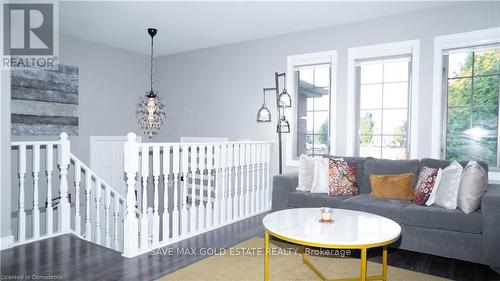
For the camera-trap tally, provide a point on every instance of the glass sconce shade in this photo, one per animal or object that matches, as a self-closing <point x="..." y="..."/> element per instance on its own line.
<point x="283" y="126"/>
<point x="264" y="115"/>
<point x="284" y="99"/>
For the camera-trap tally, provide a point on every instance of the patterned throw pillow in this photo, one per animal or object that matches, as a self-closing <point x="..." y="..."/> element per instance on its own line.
<point x="342" y="178"/>
<point x="426" y="182"/>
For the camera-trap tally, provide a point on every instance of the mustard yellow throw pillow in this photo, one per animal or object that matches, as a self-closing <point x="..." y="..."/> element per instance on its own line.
<point x="392" y="186"/>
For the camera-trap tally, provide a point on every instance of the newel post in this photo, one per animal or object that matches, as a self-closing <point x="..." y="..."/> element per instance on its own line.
<point x="131" y="167"/>
<point x="64" y="212"/>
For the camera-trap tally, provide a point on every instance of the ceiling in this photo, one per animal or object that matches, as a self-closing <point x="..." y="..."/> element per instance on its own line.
<point x="185" y="26"/>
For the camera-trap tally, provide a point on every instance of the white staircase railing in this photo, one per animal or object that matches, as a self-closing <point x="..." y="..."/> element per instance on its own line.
<point x="99" y="197"/>
<point x="174" y="191"/>
<point x="202" y="185"/>
<point x="41" y="159"/>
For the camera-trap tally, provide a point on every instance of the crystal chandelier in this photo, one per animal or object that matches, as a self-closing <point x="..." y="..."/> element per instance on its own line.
<point x="150" y="110"/>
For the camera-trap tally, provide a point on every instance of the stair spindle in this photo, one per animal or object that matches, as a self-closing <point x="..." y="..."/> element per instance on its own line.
<point x="22" y="213"/>
<point x="175" y="212"/>
<point x="49" y="168"/>
<point x="156" y="177"/>
<point x="98" y="194"/>
<point x="166" y="182"/>
<point x="144" y="208"/>
<point x="36" y="209"/>
<point x="88" y="196"/>
<point x="78" y="179"/>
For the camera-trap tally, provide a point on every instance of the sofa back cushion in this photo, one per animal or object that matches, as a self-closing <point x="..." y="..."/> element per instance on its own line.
<point x="360" y="166"/>
<point x="387" y="167"/>
<point x="437" y="163"/>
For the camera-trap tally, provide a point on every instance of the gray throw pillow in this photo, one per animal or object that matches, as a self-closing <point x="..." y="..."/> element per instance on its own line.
<point x="473" y="185"/>
<point x="447" y="193"/>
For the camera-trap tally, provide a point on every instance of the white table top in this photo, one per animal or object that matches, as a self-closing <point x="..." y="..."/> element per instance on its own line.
<point x="350" y="229"/>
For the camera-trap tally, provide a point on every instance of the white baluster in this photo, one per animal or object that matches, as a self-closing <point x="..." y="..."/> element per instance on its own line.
<point x="184" y="176"/>
<point x="116" y="221"/>
<point x="252" y="187"/>
<point x="193" y="210"/>
<point x="268" y="185"/>
<point x="223" y="201"/>
<point x="36" y="209"/>
<point x="175" y="212"/>
<point x="64" y="210"/>
<point x="247" y="171"/>
<point x="235" y="198"/>
<point x="166" y="182"/>
<point x="209" y="206"/>
<point x="144" y="208"/>
<point x="241" y="164"/>
<point x="78" y="179"/>
<point x="257" y="192"/>
<point x="217" y="198"/>
<point x="107" y="206"/>
<point x="130" y="226"/>
<point x="49" y="167"/>
<point x="201" y="206"/>
<point x="88" y="196"/>
<point x="98" y="193"/>
<point x="22" y="213"/>
<point x="229" y="162"/>
<point x="263" y="202"/>
<point x="156" y="195"/>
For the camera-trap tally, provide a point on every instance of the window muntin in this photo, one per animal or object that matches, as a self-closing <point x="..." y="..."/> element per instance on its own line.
<point x="472" y="86"/>
<point x="383" y="92"/>
<point x="312" y="86"/>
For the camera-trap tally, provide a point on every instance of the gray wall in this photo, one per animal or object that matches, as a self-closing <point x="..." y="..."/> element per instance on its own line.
<point x="111" y="80"/>
<point x="217" y="91"/>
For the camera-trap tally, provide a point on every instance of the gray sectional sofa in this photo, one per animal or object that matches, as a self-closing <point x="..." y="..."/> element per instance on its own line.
<point x="433" y="230"/>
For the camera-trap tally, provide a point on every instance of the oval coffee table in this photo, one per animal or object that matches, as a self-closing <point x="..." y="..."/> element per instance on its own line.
<point x="349" y="230"/>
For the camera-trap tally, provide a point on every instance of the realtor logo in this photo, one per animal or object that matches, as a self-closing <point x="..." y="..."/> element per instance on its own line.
<point x="29" y="35"/>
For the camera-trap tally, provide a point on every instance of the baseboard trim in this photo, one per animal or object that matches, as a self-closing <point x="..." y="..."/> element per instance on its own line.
<point x="6" y="242"/>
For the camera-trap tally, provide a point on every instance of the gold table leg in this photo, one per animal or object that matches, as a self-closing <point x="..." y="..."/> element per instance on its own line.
<point x="363" y="265"/>
<point x="266" y="257"/>
<point x="384" y="263"/>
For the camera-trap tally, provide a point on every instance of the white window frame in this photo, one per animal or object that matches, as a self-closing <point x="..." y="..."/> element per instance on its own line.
<point x="325" y="57"/>
<point x="442" y="43"/>
<point x="411" y="47"/>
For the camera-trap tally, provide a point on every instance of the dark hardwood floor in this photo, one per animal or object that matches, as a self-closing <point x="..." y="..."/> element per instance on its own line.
<point x="76" y="259"/>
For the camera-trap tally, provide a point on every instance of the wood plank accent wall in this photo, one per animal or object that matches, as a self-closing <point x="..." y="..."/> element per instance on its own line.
<point x="44" y="102"/>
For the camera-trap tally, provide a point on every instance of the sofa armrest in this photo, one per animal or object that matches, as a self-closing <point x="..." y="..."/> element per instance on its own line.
<point x="282" y="185"/>
<point x="490" y="209"/>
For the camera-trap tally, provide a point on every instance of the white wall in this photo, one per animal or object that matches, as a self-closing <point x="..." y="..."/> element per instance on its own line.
<point x="217" y="91"/>
<point x="111" y="80"/>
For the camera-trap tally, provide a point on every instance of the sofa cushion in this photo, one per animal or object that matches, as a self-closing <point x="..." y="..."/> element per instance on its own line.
<point x="360" y="166"/>
<point x="390" y="208"/>
<point x="301" y="199"/>
<point x="435" y="163"/>
<point x="440" y="218"/>
<point x="387" y="167"/>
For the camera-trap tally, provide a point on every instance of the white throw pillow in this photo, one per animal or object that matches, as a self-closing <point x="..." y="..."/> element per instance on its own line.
<point x="320" y="180"/>
<point x="432" y="196"/>
<point x="473" y="185"/>
<point x="306" y="173"/>
<point x="447" y="193"/>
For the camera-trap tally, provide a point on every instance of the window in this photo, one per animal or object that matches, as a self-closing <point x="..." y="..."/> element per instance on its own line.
<point x="471" y="82"/>
<point x="312" y="86"/>
<point x="383" y="95"/>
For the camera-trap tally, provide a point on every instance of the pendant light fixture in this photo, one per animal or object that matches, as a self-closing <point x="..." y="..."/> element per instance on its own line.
<point x="150" y="110"/>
